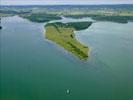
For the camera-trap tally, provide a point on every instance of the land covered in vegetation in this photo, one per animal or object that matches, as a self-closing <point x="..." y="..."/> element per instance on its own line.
<point x="63" y="35"/>
<point x="114" y="13"/>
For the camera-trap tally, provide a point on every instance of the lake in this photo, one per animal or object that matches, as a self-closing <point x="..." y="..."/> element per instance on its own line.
<point x="34" y="68"/>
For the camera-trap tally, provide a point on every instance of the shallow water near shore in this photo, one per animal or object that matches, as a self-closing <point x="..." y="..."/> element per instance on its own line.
<point x="34" y="68"/>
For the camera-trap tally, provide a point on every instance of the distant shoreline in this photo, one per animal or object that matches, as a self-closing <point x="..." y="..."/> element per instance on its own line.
<point x="68" y="5"/>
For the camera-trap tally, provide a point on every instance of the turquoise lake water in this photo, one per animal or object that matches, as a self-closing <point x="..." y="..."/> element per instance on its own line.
<point x="34" y="68"/>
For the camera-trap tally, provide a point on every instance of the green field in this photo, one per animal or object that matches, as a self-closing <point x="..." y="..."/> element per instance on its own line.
<point x="63" y="35"/>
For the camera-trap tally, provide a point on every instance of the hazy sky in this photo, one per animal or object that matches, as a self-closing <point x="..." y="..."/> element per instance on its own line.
<point x="52" y="2"/>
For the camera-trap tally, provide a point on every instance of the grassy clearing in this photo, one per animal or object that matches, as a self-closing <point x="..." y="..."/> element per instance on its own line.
<point x="63" y="35"/>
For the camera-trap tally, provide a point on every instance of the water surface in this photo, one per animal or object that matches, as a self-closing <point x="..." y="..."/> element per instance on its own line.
<point x="33" y="68"/>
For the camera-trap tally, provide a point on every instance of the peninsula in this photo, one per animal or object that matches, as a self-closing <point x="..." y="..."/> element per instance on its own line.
<point x="63" y="35"/>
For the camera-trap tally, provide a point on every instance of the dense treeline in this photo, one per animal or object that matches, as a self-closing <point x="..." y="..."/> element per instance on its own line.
<point x="42" y="17"/>
<point x="76" y="25"/>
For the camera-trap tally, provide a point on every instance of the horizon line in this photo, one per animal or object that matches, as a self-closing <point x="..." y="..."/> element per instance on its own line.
<point x="65" y="4"/>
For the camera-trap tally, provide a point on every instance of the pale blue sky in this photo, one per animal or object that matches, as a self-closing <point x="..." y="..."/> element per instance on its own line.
<point x="53" y="2"/>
